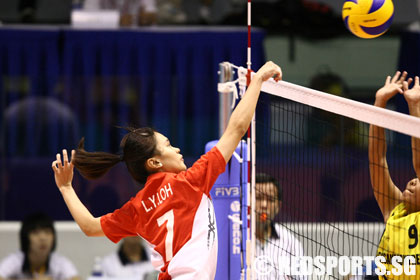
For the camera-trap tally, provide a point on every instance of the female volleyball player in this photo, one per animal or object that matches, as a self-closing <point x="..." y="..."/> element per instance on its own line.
<point x="400" y="209"/>
<point x="173" y="212"/>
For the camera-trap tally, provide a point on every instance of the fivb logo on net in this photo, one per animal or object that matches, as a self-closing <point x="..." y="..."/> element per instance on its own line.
<point x="333" y="265"/>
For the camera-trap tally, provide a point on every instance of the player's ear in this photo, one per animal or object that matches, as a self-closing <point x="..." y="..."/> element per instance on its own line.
<point x="153" y="164"/>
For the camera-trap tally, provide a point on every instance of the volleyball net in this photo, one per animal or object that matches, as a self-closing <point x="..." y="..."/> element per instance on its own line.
<point x="313" y="194"/>
<point x="315" y="147"/>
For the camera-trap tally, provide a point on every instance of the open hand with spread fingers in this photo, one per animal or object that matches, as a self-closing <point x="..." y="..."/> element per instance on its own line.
<point x="412" y="96"/>
<point x="63" y="170"/>
<point x="392" y="86"/>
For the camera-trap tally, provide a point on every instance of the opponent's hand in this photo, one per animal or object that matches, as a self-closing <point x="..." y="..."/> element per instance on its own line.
<point x="270" y="70"/>
<point x="63" y="171"/>
<point x="392" y="86"/>
<point x="412" y="96"/>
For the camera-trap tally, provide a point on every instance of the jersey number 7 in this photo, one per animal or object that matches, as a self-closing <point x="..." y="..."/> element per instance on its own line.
<point x="169" y="218"/>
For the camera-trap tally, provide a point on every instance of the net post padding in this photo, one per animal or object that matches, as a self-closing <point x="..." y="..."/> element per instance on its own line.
<point x="399" y="122"/>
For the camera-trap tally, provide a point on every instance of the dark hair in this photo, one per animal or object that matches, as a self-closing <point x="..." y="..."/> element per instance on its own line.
<point x="261" y="178"/>
<point x="137" y="147"/>
<point x="323" y="82"/>
<point x="29" y="224"/>
<point x="124" y="259"/>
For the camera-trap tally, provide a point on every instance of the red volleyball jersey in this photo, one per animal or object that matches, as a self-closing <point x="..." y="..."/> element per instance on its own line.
<point x="175" y="215"/>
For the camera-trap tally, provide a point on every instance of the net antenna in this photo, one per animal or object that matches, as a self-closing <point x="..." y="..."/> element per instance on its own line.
<point x="251" y="144"/>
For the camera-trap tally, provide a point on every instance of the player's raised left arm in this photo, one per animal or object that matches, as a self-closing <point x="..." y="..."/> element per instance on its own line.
<point x="63" y="174"/>
<point x="413" y="100"/>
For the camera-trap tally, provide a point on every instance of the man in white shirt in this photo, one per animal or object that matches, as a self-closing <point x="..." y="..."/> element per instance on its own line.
<point x="275" y="242"/>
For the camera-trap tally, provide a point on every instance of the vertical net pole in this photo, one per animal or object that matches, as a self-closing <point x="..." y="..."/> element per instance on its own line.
<point x="225" y="99"/>
<point x="250" y="244"/>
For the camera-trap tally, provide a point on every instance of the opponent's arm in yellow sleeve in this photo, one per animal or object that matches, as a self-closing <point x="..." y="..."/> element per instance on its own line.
<point x="412" y="96"/>
<point x="386" y="193"/>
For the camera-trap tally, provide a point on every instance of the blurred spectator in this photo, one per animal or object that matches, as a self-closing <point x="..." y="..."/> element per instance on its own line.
<point x="148" y="12"/>
<point x="131" y="260"/>
<point x="27" y="9"/>
<point x="37" y="127"/>
<point x="334" y="130"/>
<point x="34" y="128"/>
<point x="36" y="11"/>
<point x="37" y="259"/>
<point x="205" y="11"/>
<point x="415" y="25"/>
<point x="171" y="12"/>
<point x="308" y="18"/>
<point x="132" y="12"/>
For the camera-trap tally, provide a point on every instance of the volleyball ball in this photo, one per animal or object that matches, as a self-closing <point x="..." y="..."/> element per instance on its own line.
<point x="368" y="18"/>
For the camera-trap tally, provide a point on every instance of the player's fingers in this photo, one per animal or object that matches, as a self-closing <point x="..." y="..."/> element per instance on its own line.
<point x="396" y="77"/>
<point x="280" y="74"/>
<point x="409" y="81"/>
<point x="277" y="76"/>
<point x="59" y="164"/>
<point x="54" y="166"/>
<point x="388" y="80"/>
<point x="403" y="76"/>
<point x="73" y="154"/>
<point x="405" y="85"/>
<point x="65" y="157"/>
<point x="417" y="81"/>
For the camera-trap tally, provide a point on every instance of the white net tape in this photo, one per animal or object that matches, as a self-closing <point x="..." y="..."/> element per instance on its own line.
<point x="339" y="105"/>
<point x="346" y="107"/>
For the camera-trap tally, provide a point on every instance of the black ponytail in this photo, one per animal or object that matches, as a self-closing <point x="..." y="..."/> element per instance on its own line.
<point x="93" y="165"/>
<point x="138" y="146"/>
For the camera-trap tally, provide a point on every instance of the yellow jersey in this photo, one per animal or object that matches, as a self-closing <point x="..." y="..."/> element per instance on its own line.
<point x="401" y="239"/>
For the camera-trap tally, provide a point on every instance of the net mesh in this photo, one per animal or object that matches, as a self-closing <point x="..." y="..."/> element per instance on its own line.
<point x="323" y="204"/>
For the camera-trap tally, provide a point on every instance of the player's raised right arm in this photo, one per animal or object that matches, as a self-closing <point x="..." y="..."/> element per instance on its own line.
<point x="242" y="115"/>
<point x="384" y="189"/>
<point x="412" y="96"/>
<point x="63" y="174"/>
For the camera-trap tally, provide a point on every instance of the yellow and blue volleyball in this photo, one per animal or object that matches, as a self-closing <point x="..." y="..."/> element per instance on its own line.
<point x="368" y="18"/>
